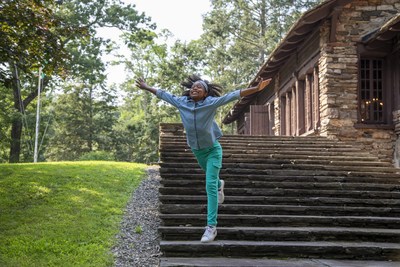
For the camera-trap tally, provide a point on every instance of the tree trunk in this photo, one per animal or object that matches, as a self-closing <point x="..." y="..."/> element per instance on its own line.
<point x="19" y="105"/>
<point x="263" y="30"/>
<point x="90" y="141"/>
<point x="15" y="146"/>
<point x="16" y="127"/>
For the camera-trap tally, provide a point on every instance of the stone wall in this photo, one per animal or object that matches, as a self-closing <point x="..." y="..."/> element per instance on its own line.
<point x="338" y="75"/>
<point x="277" y="108"/>
<point x="396" y="122"/>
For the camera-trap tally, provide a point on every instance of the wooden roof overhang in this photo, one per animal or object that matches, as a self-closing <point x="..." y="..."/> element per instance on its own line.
<point x="287" y="47"/>
<point x="384" y="36"/>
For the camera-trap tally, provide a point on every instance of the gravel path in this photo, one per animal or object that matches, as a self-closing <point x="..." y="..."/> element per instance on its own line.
<point x="138" y="243"/>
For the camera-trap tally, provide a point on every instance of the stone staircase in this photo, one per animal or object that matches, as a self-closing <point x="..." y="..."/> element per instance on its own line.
<point x="285" y="197"/>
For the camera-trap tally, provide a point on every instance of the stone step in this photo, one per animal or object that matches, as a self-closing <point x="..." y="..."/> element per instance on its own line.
<point x="285" y="197"/>
<point x="298" y="185"/>
<point x="237" y="139"/>
<point x="235" y="182"/>
<point x="235" y="179"/>
<point x="298" y="145"/>
<point x="264" y="262"/>
<point x="275" y="150"/>
<point x="279" y="161"/>
<point x="287" y="155"/>
<point x="261" y="220"/>
<point x="311" y="157"/>
<point x="253" y="137"/>
<point x="183" y="166"/>
<point x="285" y="192"/>
<point x="270" y="142"/>
<point x="226" y="139"/>
<point x="182" y="135"/>
<point x="285" y="200"/>
<point x="282" y="210"/>
<point x="285" y="171"/>
<point x="278" y="249"/>
<point x="284" y="234"/>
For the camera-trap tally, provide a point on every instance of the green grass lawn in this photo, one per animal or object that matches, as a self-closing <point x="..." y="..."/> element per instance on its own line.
<point x="64" y="213"/>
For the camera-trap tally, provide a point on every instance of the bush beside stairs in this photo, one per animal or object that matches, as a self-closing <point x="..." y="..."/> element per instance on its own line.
<point x="285" y="197"/>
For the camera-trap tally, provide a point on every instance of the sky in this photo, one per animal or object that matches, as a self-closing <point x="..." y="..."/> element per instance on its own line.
<point x="181" y="17"/>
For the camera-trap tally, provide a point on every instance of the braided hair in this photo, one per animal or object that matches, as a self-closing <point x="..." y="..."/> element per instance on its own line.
<point x="213" y="89"/>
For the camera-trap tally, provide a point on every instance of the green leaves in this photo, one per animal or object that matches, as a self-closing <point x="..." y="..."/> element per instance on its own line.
<point x="239" y="35"/>
<point x="61" y="37"/>
<point x="84" y="120"/>
<point x="30" y="36"/>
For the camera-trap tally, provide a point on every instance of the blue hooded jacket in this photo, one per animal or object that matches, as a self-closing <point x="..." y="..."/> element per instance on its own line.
<point x="198" y="117"/>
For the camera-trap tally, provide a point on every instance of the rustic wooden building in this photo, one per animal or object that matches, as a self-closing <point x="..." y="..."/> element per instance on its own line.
<point x="335" y="74"/>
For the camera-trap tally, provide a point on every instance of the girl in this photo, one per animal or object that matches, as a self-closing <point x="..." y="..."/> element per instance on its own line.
<point x="197" y="108"/>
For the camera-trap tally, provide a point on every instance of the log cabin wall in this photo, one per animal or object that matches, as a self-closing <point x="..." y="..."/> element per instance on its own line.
<point x="298" y="90"/>
<point x="247" y="124"/>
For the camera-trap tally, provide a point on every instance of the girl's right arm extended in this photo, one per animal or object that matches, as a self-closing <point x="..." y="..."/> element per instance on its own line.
<point x="142" y="85"/>
<point x="173" y="100"/>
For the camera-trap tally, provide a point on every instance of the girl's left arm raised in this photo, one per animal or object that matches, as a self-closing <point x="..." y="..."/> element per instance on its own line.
<point x="251" y="90"/>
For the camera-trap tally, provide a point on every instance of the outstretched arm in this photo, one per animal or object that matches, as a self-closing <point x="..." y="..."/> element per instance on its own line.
<point x="160" y="93"/>
<point x="142" y="85"/>
<point x="251" y="90"/>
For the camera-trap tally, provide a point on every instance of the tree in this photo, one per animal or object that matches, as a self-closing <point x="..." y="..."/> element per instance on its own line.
<point x="28" y="38"/>
<point x="85" y="99"/>
<point x="38" y="33"/>
<point x="240" y="34"/>
<point x="83" y="122"/>
<point x="6" y="113"/>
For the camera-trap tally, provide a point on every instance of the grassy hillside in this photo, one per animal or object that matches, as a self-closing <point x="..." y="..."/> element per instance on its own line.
<point x="64" y="213"/>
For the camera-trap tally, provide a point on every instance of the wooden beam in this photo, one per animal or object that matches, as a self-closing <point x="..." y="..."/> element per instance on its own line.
<point x="334" y="21"/>
<point x="295" y="39"/>
<point x="306" y="28"/>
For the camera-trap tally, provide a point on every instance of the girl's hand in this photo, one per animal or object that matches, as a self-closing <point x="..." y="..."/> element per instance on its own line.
<point x="141" y="84"/>
<point x="254" y="89"/>
<point x="261" y="85"/>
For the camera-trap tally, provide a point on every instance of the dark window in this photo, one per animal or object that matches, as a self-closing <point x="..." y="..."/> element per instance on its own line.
<point x="371" y="91"/>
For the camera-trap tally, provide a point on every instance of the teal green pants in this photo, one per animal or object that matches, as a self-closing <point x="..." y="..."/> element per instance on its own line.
<point x="210" y="160"/>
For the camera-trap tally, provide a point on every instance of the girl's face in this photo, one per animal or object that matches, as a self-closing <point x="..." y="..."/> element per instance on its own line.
<point x="197" y="92"/>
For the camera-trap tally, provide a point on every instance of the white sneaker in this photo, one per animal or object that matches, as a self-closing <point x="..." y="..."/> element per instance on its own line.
<point x="221" y="195"/>
<point x="209" y="234"/>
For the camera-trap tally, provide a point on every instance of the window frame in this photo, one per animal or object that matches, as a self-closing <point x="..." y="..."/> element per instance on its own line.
<point x="392" y="100"/>
<point x="372" y="99"/>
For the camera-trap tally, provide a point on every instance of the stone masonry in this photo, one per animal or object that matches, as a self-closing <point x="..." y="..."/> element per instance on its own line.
<point x="338" y="75"/>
